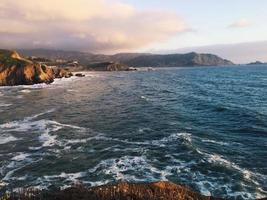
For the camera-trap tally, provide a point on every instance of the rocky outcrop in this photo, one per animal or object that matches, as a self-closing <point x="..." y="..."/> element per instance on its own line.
<point x="80" y="75"/>
<point x="120" y="191"/>
<point x="108" y="66"/>
<point x="15" y="70"/>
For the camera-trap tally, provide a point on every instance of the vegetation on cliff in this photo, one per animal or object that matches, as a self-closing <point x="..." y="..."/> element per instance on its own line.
<point x="15" y="70"/>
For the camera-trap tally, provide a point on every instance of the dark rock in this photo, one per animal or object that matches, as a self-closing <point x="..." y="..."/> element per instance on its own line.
<point x="108" y="66"/>
<point x="61" y="73"/>
<point x="80" y="75"/>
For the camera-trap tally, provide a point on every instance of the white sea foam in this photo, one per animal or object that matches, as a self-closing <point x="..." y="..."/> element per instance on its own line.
<point x="20" y="157"/>
<point x="215" y="142"/>
<point x="141" y="130"/>
<point x="26" y="91"/>
<point x="47" y="140"/>
<point x="43" y="127"/>
<point x="35" y="148"/>
<point x="2" y="184"/>
<point x="185" y="137"/>
<point x="73" y="177"/>
<point x="145" y="98"/>
<point x="118" y="168"/>
<point x="7" y="138"/>
<point x="250" y="176"/>
<point x="28" y="123"/>
<point x="5" y="104"/>
<point x="17" y="162"/>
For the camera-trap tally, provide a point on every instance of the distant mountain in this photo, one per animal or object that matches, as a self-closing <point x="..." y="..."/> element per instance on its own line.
<point x="132" y="59"/>
<point x="257" y="63"/>
<point x="177" y="60"/>
<point x="82" y="57"/>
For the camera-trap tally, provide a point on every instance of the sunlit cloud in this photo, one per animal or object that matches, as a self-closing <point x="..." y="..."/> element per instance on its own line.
<point x="242" y="23"/>
<point x="87" y="25"/>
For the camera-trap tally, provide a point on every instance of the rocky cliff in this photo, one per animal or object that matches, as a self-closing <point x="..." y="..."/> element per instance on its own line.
<point x="107" y="66"/>
<point x="15" y="70"/>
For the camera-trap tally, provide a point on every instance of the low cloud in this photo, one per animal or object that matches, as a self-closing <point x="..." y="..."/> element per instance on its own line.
<point x="87" y="25"/>
<point x="243" y="23"/>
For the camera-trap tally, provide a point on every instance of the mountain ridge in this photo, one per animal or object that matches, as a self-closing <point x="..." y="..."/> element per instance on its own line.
<point x="132" y="59"/>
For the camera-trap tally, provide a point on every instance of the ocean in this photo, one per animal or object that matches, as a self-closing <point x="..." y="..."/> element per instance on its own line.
<point x="204" y="127"/>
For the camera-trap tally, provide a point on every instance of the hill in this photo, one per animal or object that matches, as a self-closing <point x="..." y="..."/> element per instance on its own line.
<point x="132" y="59"/>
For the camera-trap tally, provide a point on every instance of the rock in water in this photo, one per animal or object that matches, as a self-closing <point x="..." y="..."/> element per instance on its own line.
<point x="80" y="75"/>
<point x="107" y="66"/>
<point x="15" y="70"/>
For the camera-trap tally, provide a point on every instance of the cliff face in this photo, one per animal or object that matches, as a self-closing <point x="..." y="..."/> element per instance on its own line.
<point x="15" y="70"/>
<point x="107" y="66"/>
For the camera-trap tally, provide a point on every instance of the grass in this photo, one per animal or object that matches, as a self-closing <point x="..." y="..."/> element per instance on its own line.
<point x="7" y="59"/>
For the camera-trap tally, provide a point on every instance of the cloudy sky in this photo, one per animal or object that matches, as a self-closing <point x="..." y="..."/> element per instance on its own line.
<point x="234" y="29"/>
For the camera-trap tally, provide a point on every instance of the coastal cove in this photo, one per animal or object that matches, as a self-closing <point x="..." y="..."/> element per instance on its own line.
<point x="204" y="127"/>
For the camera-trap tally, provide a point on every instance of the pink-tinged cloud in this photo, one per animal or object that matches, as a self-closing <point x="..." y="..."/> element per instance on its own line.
<point x="243" y="23"/>
<point x="88" y="25"/>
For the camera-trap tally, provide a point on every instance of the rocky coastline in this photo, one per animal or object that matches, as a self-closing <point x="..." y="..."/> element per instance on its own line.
<point x="16" y="70"/>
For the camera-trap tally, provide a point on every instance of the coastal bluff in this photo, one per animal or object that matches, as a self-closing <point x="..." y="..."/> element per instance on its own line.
<point x="16" y="70"/>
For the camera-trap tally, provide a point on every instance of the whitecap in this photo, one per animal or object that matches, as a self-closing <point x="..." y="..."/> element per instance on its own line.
<point x="35" y="148"/>
<point x="118" y="168"/>
<point x="247" y="174"/>
<point x="20" y="157"/>
<point x="40" y="114"/>
<point x="68" y="176"/>
<point x="42" y="127"/>
<point x="5" y="104"/>
<point x="28" y="123"/>
<point x="185" y="137"/>
<point x="203" y="188"/>
<point x="2" y="184"/>
<point x="7" y="138"/>
<point x="141" y="130"/>
<point x="47" y="140"/>
<point x="145" y="98"/>
<point x="215" y="142"/>
<point x="25" y="91"/>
